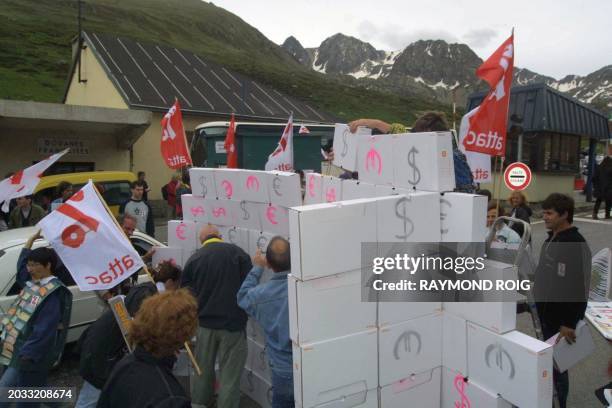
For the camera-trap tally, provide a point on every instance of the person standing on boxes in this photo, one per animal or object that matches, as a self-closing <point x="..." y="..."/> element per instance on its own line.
<point x="33" y="331"/>
<point x="561" y="279"/>
<point x="428" y="122"/>
<point x="268" y="304"/>
<point x="214" y="274"/>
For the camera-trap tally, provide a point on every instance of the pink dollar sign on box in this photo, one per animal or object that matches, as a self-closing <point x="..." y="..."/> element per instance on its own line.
<point x="218" y="212"/>
<point x="311" y="185"/>
<point x="460" y="387"/>
<point x="330" y="194"/>
<point x="197" y="211"/>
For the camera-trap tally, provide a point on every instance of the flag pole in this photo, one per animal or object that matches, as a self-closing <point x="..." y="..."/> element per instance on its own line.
<point x="186" y="344"/>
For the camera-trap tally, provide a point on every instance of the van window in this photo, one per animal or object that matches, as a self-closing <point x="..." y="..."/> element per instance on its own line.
<point x="116" y="192"/>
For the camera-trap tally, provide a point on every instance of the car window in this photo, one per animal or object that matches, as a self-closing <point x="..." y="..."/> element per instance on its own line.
<point x="116" y="192"/>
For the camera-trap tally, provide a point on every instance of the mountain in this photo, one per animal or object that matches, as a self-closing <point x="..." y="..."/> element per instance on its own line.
<point x="436" y="70"/>
<point x="35" y="52"/>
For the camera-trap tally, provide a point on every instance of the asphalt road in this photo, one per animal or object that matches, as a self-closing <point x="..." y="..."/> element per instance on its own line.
<point x="586" y="377"/>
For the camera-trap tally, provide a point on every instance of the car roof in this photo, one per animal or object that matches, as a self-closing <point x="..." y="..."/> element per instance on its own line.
<point x="84" y="177"/>
<point x="19" y="236"/>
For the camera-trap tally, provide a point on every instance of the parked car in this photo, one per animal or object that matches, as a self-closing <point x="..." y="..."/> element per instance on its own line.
<point x="114" y="186"/>
<point x="86" y="306"/>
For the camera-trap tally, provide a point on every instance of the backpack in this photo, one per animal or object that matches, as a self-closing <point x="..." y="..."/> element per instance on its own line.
<point x="464" y="180"/>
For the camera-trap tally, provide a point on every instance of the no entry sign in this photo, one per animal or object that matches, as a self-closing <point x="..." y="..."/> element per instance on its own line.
<point x="517" y="176"/>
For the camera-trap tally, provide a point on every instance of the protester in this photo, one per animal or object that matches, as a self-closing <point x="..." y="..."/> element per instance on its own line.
<point x="141" y="177"/>
<point x="520" y="209"/>
<point x="34" y="329"/>
<point x="503" y="233"/>
<point x="562" y="278"/>
<point x="64" y="192"/>
<point x="214" y="274"/>
<point x="26" y="214"/>
<point x="169" y="194"/>
<point x="602" y="185"/>
<point x="268" y="304"/>
<point x="144" y="378"/>
<point x="102" y="344"/>
<point x="140" y="209"/>
<point x="182" y="188"/>
<point x="428" y="122"/>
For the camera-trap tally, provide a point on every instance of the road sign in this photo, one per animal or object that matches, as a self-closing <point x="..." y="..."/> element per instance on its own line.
<point x="517" y="176"/>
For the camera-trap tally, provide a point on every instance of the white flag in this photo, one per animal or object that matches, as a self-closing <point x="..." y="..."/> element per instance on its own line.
<point x="282" y="157"/>
<point x="89" y="242"/>
<point x="25" y="181"/>
<point x="480" y="163"/>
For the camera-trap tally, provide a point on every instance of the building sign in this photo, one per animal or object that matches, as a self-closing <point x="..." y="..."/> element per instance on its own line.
<point x="50" y="146"/>
<point x="220" y="147"/>
<point x="517" y="176"/>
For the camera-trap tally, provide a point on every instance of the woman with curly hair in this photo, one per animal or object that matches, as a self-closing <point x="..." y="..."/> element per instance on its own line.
<point x="520" y="209"/>
<point x="144" y="378"/>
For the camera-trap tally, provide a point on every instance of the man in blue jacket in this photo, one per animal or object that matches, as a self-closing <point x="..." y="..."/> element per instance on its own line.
<point x="268" y="304"/>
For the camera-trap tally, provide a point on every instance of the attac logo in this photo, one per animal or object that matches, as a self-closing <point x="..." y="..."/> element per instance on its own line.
<point x="486" y="141"/>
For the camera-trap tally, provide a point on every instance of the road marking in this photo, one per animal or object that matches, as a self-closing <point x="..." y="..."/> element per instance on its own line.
<point x="594" y="221"/>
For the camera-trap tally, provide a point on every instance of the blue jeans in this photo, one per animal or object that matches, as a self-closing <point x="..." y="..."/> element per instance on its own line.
<point x="282" y="389"/>
<point x="13" y="377"/>
<point x="88" y="396"/>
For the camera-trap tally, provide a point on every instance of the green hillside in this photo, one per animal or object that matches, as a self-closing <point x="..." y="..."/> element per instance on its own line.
<point x="35" y="51"/>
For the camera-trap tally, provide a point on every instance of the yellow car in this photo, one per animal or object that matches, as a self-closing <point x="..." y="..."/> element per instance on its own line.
<point x="114" y="186"/>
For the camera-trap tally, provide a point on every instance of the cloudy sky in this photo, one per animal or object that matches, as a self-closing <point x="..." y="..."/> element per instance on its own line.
<point x="552" y="38"/>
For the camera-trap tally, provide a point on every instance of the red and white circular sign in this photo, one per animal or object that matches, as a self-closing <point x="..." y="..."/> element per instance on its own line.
<point x="517" y="176"/>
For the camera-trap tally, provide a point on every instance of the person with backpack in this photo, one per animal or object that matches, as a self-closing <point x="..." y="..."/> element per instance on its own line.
<point x="169" y="194"/>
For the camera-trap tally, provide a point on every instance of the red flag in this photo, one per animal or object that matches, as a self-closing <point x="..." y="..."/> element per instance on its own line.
<point x="173" y="142"/>
<point x="282" y="157"/>
<point x="230" y="145"/>
<point x="487" y="130"/>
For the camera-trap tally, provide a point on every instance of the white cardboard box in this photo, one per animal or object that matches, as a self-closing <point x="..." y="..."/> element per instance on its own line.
<point x="409" y="218"/>
<point x="424" y="161"/>
<point x="375" y="159"/>
<point x="515" y="365"/>
<point x="174" y="255"/>
<point x="326" y="238"/>
<point x="455" y="390"/>
<point x="332" y="189"/>
<point x="409" y="348"/>
<point x="203" y="182"/>
<point x="257" y="360"/>
<point x="247" y="214"/>
<point x="259" y="240"/>
<point x="284" y="188"/>
<point x="345" y="146"/>
<point x="313" y="188"/>
<point x="237" y="236"/>
<point x="257" y="388"/>
<point x="382" y="191"/>
<point x="182" y="234"/>
<point x="568" y="355"/>
<point x="421" y="390"/>
<point x="274" y="219"/>
<point x="253" y="186"/>
<point x="390" y="313"/>
<point x="463" y="217"/>
<point x="336" y="371"/>
<point x="499" y="317"/>
<point x="355" y="189"/>
<point x="227" y="184"/>
<point x="194" y="208"/>
<point x="454" y="343"/>
<point x="328" y="307"/>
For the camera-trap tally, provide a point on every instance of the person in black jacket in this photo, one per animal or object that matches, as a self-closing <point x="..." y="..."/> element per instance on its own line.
<point x="520" y="209"/>
<point x="562" y="278"/>
<point x="102" y="344"/>
<point x="214" y="274"/>
<point x="602" y="186"/>
<point x="144" y="378"/>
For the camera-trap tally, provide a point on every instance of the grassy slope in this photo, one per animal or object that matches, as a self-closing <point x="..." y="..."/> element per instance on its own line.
<point x="35" y="51"/>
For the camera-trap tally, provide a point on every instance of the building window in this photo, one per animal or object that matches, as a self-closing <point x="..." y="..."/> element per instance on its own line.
<point x="559" y="152"/>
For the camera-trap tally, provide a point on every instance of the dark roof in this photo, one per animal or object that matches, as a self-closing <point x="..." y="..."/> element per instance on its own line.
<point x="545" y="109"/>
<point x="150" y="76"/>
